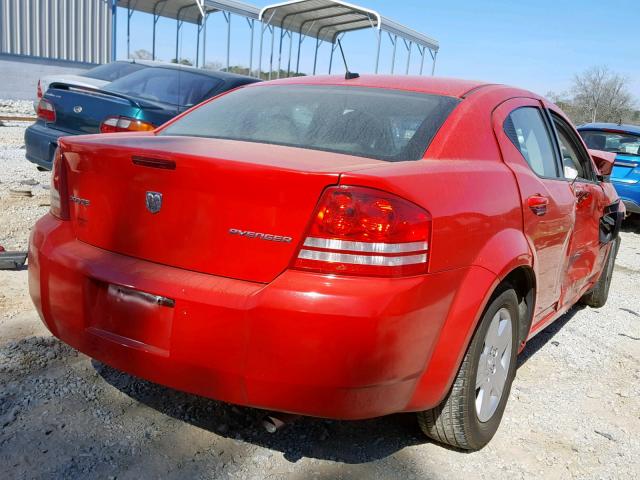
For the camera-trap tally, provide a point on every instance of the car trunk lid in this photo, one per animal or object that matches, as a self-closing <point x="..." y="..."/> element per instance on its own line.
<point x="80" y="110"/>
<point x="222" y="207"/>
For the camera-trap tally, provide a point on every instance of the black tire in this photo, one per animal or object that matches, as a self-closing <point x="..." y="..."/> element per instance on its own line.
<point x="598" y="295"/>
<point x="455" y="421"/>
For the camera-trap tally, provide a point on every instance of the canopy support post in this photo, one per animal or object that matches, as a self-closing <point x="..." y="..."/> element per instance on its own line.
<point x="333" y="49"/>
<point x="273" y="39"/>
<point x="204" y="40"/>
<point x="378" y="51"/>
<point x="129" y="13"/>
<point x="282" y="34"/>
<point x="300" y="39"/>
<point x="315" y="57"/>
<point x="252" y="24"/>
<point x="198" y="30"/>
<point x="433" y="66"/>
<point x="290" y="50"/>
<point x="156" y="17"/>
<point x="178" y="27"/>
<point x="263" y="27"/>
<point x="409" y="48"/>
<point x="227" y="17"/>
<point x="394" y="41"/>
<point x="114" y="11"/>
<point x="153" y="37"/>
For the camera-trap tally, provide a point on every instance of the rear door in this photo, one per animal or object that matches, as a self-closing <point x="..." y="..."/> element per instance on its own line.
<point x="585" y="252"/>
<point x="526" y="140"/>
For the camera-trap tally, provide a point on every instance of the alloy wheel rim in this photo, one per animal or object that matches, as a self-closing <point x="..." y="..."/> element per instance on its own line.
<point x="493" y="365"/>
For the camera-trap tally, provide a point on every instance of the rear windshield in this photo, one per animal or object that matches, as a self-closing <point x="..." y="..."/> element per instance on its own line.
<point x="167" y="85"/>
<point x="113" y="71"/>
<point x="368" y="122"/>
<point x="624" y="143"/>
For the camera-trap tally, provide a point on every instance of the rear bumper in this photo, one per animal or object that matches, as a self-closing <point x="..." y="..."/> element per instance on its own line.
<point x="342" y="348"/>
<point x="40" y="142"/>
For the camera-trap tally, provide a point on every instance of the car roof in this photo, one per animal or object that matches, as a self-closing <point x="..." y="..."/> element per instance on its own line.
<point x="452" y="87"/>
<point x="176" y="66"/>
<point x="616" y="127"/>
<point x="210" y="73"/>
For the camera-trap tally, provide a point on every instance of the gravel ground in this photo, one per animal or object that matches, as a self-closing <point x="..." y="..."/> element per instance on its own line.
<point x="574" y="410"/>
<point x="17" y="107"/>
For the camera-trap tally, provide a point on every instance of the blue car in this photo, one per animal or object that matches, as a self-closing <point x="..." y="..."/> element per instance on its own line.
<point x="624" y="140"/>
<point x="139" y="101"/>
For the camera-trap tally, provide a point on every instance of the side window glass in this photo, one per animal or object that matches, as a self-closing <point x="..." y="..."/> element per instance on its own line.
<point x="571" y="165"/>
<point x="528" y="131"/>
<point x="575" y="160"/>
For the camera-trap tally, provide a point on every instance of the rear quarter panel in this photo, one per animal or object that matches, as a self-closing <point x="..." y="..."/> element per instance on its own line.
<point x="475" y="205"/>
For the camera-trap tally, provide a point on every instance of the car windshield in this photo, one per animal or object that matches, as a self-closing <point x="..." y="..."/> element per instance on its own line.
<point x="112" y="71"/>
<point x="167" y="85"/>
<point x="368" y="122"/>
<point x="624" y="143"/>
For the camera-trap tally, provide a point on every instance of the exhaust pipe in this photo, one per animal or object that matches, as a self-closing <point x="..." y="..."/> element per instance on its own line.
<point x="274" y="422"/>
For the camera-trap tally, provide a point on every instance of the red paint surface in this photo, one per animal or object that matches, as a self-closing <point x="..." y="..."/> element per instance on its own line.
<point x="248" y="329"/>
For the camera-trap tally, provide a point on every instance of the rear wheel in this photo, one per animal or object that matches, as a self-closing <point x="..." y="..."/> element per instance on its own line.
<point x="470" y="415"/>
<point x="597" y="296"/>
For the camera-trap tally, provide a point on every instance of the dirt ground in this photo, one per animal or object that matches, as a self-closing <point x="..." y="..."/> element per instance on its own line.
<point x="574" y="410"/>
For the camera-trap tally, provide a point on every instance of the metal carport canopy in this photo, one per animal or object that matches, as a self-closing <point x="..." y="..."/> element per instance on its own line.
<point x="187" y="10"/>
<point x="326" y="19"/>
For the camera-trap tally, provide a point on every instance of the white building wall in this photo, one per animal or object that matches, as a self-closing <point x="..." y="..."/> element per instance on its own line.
<point x="72" y="30"/>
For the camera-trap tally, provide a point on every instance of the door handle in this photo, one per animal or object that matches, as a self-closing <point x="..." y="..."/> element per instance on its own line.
<point x="538" y="204"/>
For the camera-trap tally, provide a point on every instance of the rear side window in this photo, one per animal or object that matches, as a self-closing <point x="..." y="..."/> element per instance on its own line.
<point x="528" y="131"/>
<point x="368" y="122"/>
<point x="167" y="85"/>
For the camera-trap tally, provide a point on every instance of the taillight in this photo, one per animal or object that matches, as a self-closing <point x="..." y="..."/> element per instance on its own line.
<point x="59" y="188"/>
<point x="124" y="124"/>
<point x="39" y="91"/>
<point x="46" y="111"/>
<point x="364" y="231"/>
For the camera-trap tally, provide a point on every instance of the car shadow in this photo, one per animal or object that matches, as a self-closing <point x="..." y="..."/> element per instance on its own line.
<point x="351" y="442"/>
<point x="631" y="224"/>
<point x="546" y="335"/>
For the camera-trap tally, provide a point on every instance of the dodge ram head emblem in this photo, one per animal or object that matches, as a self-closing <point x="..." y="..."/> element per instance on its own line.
<point x="154" y="202"/>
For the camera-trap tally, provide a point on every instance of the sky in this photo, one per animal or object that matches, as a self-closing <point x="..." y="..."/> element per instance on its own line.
<point x="537" y="44"/>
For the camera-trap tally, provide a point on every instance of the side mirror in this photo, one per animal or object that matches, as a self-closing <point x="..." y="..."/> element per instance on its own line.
<point x="604" y="161"/>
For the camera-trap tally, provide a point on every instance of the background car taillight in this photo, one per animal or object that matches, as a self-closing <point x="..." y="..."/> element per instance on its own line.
<point x="39" y="90"/>
<point x="364" y="231"/>
<point x="124" y="124"/>
<point x="46" y="111"/>
<point x="59" y="189"/>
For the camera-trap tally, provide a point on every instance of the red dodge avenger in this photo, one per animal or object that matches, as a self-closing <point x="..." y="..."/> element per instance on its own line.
<point x="341" y="248"/>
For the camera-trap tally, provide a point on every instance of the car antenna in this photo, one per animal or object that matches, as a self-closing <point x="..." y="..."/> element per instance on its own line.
<point x="349" y="75"/>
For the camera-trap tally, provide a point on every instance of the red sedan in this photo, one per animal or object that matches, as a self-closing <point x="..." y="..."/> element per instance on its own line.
<point x="330" y="247"/>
